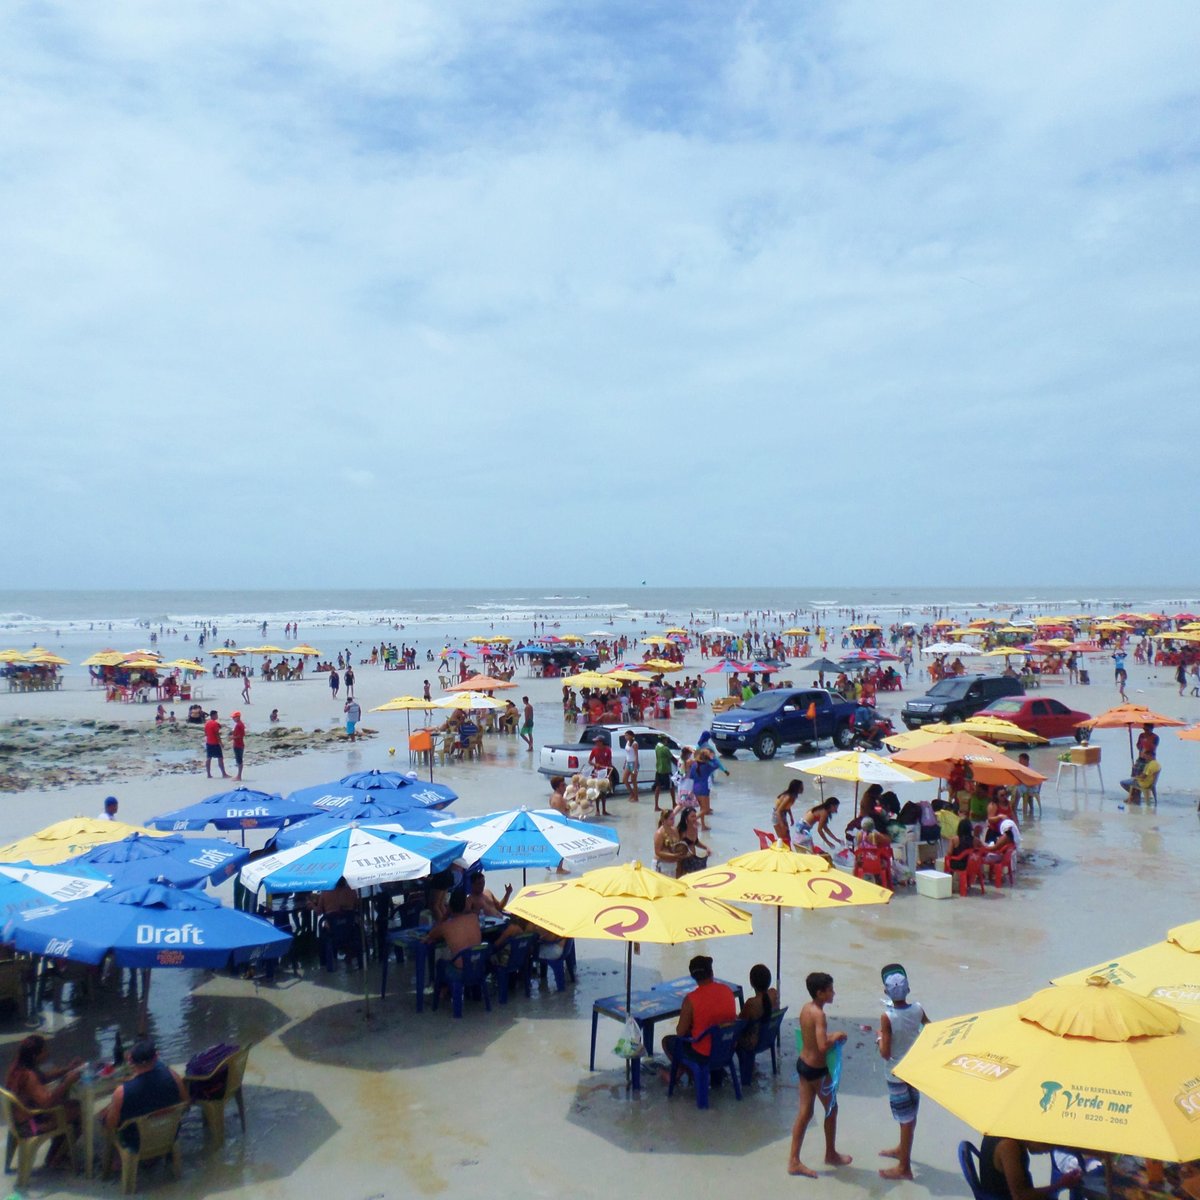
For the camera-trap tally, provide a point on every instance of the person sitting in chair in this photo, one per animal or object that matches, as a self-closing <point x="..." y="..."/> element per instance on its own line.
<point x="153" y="1086"/>
<point x="1143" y="777"/>
<point x="709" y="1003"/>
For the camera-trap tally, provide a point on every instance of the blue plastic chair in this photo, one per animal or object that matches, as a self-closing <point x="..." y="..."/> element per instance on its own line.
<point x="340" y="933"/>
<point x="722" y="1048"/>
<point x="768" y="1039"/>
<point x="560" y="966"/>
<point x="968" y="1160"/>
<point x="468" y="968"/>
<point x="519" y="963"/>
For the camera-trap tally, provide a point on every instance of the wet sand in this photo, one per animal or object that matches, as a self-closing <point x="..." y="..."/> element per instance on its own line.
<point x="407" y="1104"/>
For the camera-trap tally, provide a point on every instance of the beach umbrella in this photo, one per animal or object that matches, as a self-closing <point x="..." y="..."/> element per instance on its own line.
<point x="242" y="808"/>
<point x="785" y="879"/>
<point x="187" y="664"/>
<point x="988" y="765"/>
<point x="179" y="861"/>
<point x="1127" y="716"/>
<point x="23" y="887"/>
<point x="1085" y="1065"/>
<point x="45" y="658"/>
<point x="468" y="701"/>
<point x="727" y="666"/>
<point x="104" y="658"/>
<point x="718" y="631"/>
<point x="631" y="904"/>
<point x="523" y="838"/>
<point x="150" y="925"/>
<point x="481" y="683"/>
<point x="796" y="631"/>
<point x="662" y="666"/>
<point x="227" y="652"/>
<point x="820" y="666"/>
<point x="371" y="809"/>
<point x="13" y="656"/>
<point x="625" y="675"/>
<point x="987" y="729"/>
<point x="1190" y="734"/>
<point x="1167" y="971"/>
<point x="593" y="680"/>
<point x="67" y="839"/>
<point x="943" y="648"/>
<point x="378" y="790"/>
<point x="304" y="651"/>
<point x="363" y="855"/>
<point x="656" y="639"/>
<point x="858" y="766"/>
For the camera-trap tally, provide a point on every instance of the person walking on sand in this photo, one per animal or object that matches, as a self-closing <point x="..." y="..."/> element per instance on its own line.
<point x="212" y="745"/>
<point x="348" y="680"/>
<point x="813" y="1069"/>
<point x="526" y="729"/>
<point x="353" y="715"/>
<point x="246" y="688"/>
<point x="335" y="682"/>
<point x="898" y="1028"/>
<point x="237" y="739"/>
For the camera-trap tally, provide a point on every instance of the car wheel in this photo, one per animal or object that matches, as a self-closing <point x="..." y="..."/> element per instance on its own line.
<point x="765" y="746"/>
<point x="726" y="751"/>
<point x="843" y="736"/>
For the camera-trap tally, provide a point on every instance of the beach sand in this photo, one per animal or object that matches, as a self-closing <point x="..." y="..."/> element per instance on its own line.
<point x="422" y="1105"/>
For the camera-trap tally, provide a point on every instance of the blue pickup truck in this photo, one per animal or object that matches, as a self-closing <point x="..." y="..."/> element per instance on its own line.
<point x="779" y="716"/>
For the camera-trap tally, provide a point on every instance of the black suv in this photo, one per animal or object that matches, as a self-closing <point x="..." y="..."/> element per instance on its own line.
<point x="958" y="698"/>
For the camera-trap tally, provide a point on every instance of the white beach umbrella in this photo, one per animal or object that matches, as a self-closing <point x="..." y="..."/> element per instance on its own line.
<point x="959" y="648"/>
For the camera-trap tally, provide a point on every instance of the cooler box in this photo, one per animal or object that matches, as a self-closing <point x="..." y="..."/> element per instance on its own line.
<point x="691" y="703"/>
<point x="935" y="885"/>
<point x="1085" y="756"/>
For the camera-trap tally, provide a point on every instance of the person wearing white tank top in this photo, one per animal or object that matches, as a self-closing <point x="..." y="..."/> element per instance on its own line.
<point x="899" y="1027"/>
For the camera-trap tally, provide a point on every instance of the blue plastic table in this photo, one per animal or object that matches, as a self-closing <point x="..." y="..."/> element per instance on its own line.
<point x="647" y="1007"/>
<point x="423" y="952"/>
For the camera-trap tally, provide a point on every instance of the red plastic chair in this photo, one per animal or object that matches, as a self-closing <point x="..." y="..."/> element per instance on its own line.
<point x="765" y="839"/>
<point x="873" y="861"/>
<point x="971" y="873"/>
<point x="1003" y="866"/>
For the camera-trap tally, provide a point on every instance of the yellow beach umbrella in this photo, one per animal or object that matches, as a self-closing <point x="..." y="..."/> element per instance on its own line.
<point x="105" y="658"/>
<point x="1168" y="971"/>
<point x="137" y="663"/>
<point x="656" y="639"/>
<point x="905" y="739"/>
<point x="628" y="903"/>
<point x="305" y="651"/>
<point x="628" y="676"/>
<point x="593" y="679"/>
<point x="65" y="839"/>
<point x="403" y="704"/>
<point x="988" y="729"/>
<point x="1004" y="652"/>
<point x="45" y="658"/>
<point x="572" y="639"/>
<point x="662" y="665"/>
<point x="1087" y="1065"/>
<point x="676" y="630"/>
<point x="229" y="652"/>
<point x="796" y="631"/>
<point x="187" y="664"/>
<point x="13" y="656"/>
<point x="481" y="683"/>
<point x="858" y="766"/>
<point x="782" y="878"/>
<point x="862" y="628"/>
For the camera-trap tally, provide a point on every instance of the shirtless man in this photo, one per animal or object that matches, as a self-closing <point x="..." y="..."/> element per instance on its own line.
<point x="814" y="1075"/>
<point x="459" y="931"/>
<point x="481" y="901"/>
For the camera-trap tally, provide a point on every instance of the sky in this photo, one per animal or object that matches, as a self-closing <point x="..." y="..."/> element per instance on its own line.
<point x="387" y="294"/>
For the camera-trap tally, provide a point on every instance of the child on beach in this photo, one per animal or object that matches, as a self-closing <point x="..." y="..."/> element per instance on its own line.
<point x="898" y="1028"/>
<point x="815" y="1080"/>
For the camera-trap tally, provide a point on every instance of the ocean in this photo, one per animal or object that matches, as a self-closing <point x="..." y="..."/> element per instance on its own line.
<point x="75" y="621"/>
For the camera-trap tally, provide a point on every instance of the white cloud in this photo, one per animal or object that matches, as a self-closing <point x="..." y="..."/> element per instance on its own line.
<point x="833" y="268"/>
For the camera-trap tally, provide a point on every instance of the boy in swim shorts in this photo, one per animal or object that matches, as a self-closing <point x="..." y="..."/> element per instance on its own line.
<point x="813" y="1070"/>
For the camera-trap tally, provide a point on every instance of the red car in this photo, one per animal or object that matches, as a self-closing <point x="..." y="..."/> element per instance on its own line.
<point x="1045" y="716"/>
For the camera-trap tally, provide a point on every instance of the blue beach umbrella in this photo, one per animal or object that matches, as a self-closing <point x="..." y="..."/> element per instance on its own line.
<point x="387" y="787"/>
<point x="523" y="838"/>
<point x="243" y="808"/>
<point x="151" y="925"/>
<point x="23" y="886"/>
<point x="179" y="861"/>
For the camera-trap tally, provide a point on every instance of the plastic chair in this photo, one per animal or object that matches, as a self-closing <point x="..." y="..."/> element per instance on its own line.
<point x="723" y="1040"/>
<point x="519" y="963"/>
<point x="420" y="746"/>
<point x="50" y="1123"/>
<point x="158" y="1134"/>
<point x="340" y="934"/>
<point x="768" y="1039"/>
<point x="971" y="872"/>
<point x="468" y="968"/>
<point x="765" y="839"/>
<point x="871" y="860"/>
<point x="968" y="1160"/>
<point x="1003" y="866"/>
<point x="560" y="964"/>
<point x="212" y="1107"/>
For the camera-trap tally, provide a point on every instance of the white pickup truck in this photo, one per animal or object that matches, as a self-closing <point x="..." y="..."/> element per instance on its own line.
<point x="572" y="758"/>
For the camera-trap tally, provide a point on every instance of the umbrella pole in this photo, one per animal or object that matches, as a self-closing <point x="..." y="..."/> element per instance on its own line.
<point x="362" y="929"/>
<point x="144" y="1005"/>
<point x="778" y="949"/>
<point x="628" y="1005"/>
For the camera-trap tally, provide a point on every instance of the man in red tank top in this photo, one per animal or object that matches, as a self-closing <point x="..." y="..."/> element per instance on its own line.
<point x="711" y="1003"/>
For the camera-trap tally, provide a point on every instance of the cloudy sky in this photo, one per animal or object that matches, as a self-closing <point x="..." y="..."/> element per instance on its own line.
<point x="519" y="292"/>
